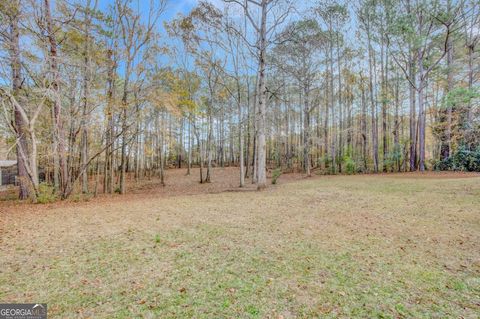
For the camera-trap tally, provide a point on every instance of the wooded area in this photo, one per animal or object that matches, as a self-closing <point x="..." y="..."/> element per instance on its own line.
<point x="93" y="93"/>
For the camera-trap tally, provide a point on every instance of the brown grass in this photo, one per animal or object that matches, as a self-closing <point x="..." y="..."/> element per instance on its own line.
<point x="399" y="245"/>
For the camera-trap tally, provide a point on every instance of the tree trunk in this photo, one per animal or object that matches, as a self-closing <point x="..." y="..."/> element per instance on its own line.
<point x="209" y="145"/>
<point x="22" y="145"/>
<point x="190" y="145"/>
<point x="421" y="112"/>
<point x="109" y="170"/>
<point x="446" y="139"/>
<point x="364" y="127"/>
<point x="373" y="105"/>
<point x="123" y="160"/>
<point x="58" y="133"/>
<point x="86" y="92"/>
<point x="240" y="142"/>
<point x="332" y="106"/>
<point x="262" y="101"/>
<point x="306" y="132"/>
<point x="396" y="123"/>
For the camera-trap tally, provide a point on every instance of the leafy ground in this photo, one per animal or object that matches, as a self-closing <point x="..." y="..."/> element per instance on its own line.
<point x="384" y="246"/>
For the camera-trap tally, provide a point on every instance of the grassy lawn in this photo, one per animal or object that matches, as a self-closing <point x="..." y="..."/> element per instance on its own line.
<point x="393" y="246"/>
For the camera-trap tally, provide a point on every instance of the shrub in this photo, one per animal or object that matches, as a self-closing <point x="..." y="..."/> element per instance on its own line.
<point x="46" y="194"/>
<point x="393" y="158"/>
<point x="350" y="165"/>
<point x="276" y="174"/>
<point x="462" y="160"/>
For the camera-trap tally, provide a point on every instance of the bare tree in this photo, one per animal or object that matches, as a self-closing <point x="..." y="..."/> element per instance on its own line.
<point x="60" y="165"/>
<point x="134" y="37"/>
<point x="264" y="32"/>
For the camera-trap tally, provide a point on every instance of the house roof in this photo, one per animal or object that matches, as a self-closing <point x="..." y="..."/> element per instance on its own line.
<point x="7" y="163"/>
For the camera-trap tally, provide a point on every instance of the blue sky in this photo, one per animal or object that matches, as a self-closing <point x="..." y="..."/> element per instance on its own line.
<point x="173" y="7"/>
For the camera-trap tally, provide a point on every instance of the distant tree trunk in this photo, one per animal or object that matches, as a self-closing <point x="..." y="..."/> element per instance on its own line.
<point x="247" y="136"/>
<point x="306" y="132"/>
<point x="97" y="174"/>
<point x="384" y="70"/>
<point x="421" y="111"/>
<point x="446" y="140"/>
<point x="240" y="131"/>
<point x="363" y="125"/>
<point x="333" y="152"/>
<point x="396" y="123"/>
<point x="161" y="152"/>
<point x="240" y="143"/>
<point x="190" y="145"/>
<point x="137" y="160"/>
<point x="471" y="51"/>
<point x="255" y="137"/>
<point x="123" y="160"/>
<point x="287" y="135"/>
<point x="373" y="105"/>
<point x="340" y="105"/>
<point x="200" y="154"/>
<point x="180" y="145"/>
<point x="109" y="171"/>
<point x="209" y="145"/>
<point x="325" y="127"/>
<point x="221" y="141"/>
<point x="412" y="98"/>
<point x="413" y="116"/>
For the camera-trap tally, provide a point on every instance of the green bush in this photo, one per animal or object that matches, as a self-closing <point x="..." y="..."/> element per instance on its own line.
<point x="46" y="194"/>
<point x="350" y="165"/>
<point x="276" y="174"/>
<point x="462" y="160"/>
<point x="393" y="158"/>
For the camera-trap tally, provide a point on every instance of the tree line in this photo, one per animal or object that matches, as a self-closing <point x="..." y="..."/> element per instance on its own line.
<point x="96" y="93"/>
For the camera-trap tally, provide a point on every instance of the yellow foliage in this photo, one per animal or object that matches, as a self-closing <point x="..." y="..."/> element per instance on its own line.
<point x="164" y="100"/>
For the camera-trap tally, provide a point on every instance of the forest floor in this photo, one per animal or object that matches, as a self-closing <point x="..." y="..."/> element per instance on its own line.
<point x="364" y="246"/>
